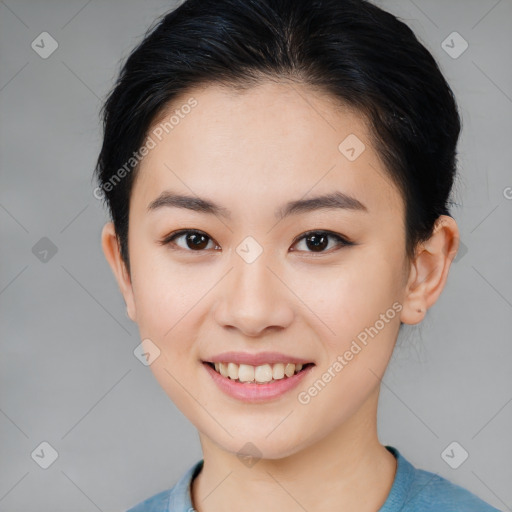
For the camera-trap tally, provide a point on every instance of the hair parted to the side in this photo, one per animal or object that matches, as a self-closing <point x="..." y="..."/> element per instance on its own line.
<point x="363" y="56"/>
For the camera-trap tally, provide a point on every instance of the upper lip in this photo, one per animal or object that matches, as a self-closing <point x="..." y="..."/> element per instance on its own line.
<point x="255" y="359"/>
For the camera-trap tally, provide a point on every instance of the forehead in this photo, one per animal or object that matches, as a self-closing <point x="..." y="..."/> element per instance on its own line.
<point x="272" y="142"/>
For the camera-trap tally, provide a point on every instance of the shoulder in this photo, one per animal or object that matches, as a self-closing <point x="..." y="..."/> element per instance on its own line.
<point x="422" y="491"/>
<point x="431" y="492"/>
<point x="175" y="499"/>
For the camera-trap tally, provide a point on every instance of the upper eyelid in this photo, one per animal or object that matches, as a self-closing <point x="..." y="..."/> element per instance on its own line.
<point x="180" y="232"/>
<point x="325" y="231"/>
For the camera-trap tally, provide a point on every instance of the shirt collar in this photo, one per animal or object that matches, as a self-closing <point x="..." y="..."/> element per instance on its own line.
<point x="180" y="497"/>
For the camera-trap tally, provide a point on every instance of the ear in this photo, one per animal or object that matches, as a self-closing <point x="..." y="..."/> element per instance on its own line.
<point x="111" y="249"/>
<point x="429" y="270"/>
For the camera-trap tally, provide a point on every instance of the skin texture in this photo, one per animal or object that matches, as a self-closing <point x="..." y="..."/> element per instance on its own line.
<point x="252" y="152"/>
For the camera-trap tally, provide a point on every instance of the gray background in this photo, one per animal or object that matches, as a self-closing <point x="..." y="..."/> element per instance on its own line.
<point x="68" y="372"/>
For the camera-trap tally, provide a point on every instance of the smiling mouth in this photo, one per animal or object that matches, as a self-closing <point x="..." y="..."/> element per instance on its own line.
<point x="262" y="374"/>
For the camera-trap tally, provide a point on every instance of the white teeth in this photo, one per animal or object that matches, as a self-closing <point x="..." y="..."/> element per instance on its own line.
<point x="289" y="369"/>
<point x="260" y="374"/>
<point x="223" y="369"/>
<point x="233" y="371"/>
<point x="263" y="373"/>
<point x="278" y="371"/>
<point x="245" y="372"/>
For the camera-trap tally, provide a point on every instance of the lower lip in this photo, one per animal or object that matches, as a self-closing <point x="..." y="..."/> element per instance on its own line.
<point x="252" y="392"/>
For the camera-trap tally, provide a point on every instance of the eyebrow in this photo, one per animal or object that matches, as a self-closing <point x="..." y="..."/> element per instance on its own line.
<point x="334" y="200"/>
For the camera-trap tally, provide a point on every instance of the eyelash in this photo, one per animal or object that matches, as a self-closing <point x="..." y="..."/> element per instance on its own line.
<point x="341" y="241"/>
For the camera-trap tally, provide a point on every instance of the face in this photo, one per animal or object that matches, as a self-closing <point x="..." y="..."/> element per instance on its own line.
<point x="263" y="270"/>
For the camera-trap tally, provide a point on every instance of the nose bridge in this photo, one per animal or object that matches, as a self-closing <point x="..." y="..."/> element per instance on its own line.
<point x="250" y="259"/>
<point x="253" y="298"/>
<point x="252" y="280"/>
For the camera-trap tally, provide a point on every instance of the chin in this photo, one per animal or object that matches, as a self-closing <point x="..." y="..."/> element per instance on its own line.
<point x="256" y="441"/>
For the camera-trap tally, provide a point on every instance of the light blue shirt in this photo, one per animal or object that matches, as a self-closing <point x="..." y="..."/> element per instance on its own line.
<point x="413" y="490"/>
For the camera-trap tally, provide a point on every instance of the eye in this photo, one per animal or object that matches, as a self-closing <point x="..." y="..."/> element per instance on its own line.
<point x="317" y="241"/>
<point x="194" y="240"/>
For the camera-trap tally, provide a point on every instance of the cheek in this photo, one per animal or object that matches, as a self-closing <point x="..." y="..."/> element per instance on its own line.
<point x="166" y="292"/>
<point x="345" y="299"/>
<point x="359" y="324"/>
<point x="357" y="314"/>
<point x="169" y="310"/>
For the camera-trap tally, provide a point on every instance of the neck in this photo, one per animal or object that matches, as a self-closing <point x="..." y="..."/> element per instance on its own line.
<point x="346" y="470"/>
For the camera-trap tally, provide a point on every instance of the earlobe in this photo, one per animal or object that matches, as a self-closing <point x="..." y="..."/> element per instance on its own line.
<point x="111" y="249"/>
<point x="429" y="270"/>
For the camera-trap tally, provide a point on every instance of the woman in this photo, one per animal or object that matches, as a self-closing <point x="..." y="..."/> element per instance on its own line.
<point x="278" y="175"/>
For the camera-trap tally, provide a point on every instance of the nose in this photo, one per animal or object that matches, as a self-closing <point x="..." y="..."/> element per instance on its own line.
<point x="254" y="298"/>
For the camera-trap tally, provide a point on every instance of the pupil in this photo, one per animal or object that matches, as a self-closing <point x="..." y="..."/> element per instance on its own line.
<point x="198" y="241"/>
<point x="320" y="243"/>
